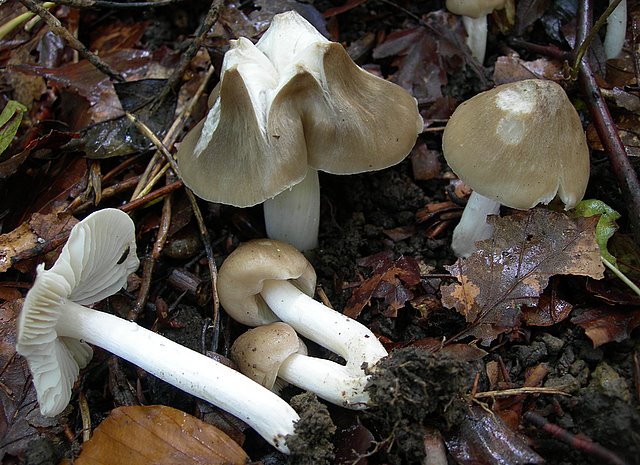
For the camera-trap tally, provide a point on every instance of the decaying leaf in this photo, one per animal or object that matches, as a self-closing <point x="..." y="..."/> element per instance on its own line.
<point x="158" y="435"/>
<point x="607" y="325"/>
<point x="513" y="268"/>
<point x="10" y="119"/>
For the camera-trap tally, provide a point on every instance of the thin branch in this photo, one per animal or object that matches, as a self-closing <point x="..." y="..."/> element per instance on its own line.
<point x="115" y="5"/>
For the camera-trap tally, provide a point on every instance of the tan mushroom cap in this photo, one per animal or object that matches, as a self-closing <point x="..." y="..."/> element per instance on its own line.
<point x="243" y="273"/>
<point x="261" y="351"/>
<point x="474" y="8"/>
<point x="325" y="113"/>
<point x="519" y="144"/>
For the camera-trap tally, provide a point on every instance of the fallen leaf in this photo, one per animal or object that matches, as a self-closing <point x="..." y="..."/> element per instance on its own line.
<point x="483" y="439"/>
<point x="549" y="311"/>
<point x="513" y="268"/>
<point x="607" y="325"/>
<point x="10" y="119"/>
<point x="158" y="435"/>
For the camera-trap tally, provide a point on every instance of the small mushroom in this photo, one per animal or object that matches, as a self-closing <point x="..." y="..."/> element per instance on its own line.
<point x="517" y="145"/>
<point x="55" y="327"/>
<point x="264" y="281"/>
<point x="274" y="352"/>
<point x="616" y="30"/>
<point x="288" y="106"/>
<point x="474" y="17"/>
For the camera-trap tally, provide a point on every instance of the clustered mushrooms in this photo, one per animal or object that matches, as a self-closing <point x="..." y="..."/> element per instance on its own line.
<point x="264" y="281"/>
<point x="290" y="105"/>
<point x="474" y="17"/>
<point x="274" y="352"/>
<point x="55" y="327"/>
<point x="616" y="30"/>
<point x="518" y="145"/>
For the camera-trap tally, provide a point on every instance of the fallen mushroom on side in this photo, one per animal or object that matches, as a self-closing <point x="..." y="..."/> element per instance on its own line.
<point x="518" y="145"/>
<point x="291" y="105"/>
<point x="54" y="328"/>
<point x="265" y="281"/>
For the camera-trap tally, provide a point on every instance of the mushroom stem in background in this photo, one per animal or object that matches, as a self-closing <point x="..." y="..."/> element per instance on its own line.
<point x="476" y="35"/>
<point x="293" y="216"/>
<point x="473" y="226"/>
<point x="616" y="30"/>
<point x="54" y="323"/>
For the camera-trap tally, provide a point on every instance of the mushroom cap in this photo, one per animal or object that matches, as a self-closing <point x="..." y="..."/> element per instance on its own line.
<point x="243" y="273"/>
<point x="519" y="144"/>
<point x="474" y="8"/>
<point x="94" y="263"/>
<point x="292" y="101"/>
<point x="261" y="351"/>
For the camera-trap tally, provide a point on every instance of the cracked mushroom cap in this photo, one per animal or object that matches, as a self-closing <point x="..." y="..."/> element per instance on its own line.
<point x="261" y="351"/>
<point x="95" y="263"/>
<point x="474" y="8"/>
<point x="292" y="101"/>
<point x="519" y="144"/>
<point x="243" y="273"/>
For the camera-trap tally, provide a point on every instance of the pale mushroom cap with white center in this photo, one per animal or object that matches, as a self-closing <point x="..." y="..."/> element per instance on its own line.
<point x="260" y="352"/>
<point x="474" y="8"/>
<point x="519" y="144"/>
<point x="243" y="273"/>
<point x="95" y="263"/>
<point x="320" y="110"/>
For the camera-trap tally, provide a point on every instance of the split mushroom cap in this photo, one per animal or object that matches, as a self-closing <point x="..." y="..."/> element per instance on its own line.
<point x="264" y="281"/>
<point x="474" y="8"/>
<point x="519" y="144"/>
<point x="99" y="256"/>
<point x="242" y="276"/>
<point x="274" y="352"/>
<point x="291" y="102"/>
<point x="95" y="263"/>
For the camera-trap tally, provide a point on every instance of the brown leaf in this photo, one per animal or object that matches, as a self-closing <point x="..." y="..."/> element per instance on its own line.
<point x="549" y="311"/>
<point x="513" y="268"/>
<point x="607" y="325"/>
<point x="158" y="435"/>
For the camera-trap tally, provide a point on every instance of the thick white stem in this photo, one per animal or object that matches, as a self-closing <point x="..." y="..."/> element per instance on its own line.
<point x="265" y="412"/>
<point x="476" y="35"/>
<point x="616" y="30"/>
<point x="293" y="216"/>
<point x="340" y="334"/>
<point x="473" y="226"/>
<point x="330" y="381"/>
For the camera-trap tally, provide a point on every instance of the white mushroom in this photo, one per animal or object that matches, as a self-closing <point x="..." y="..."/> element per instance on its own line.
<point x="616" y="30"/>
<point x="55" y="327"/>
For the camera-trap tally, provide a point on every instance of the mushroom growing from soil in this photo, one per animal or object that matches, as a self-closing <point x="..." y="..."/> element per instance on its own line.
<point x="264" y="281"/>
<point x="474" y="17"/>
<point x="288" y="106"/>
<point x="273" y="352"/>
<point x="55" y="327"/>
<point x="518" y="145"/>
<point x="616" y="30"/>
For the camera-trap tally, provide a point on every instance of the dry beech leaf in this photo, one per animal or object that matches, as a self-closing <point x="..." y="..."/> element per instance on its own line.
<point x="158" y="435"/>
<point x="513" y="268"/>
<point x="607" y="325"/>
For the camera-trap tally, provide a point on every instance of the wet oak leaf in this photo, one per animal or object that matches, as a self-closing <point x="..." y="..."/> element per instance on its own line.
<point x="607" y="325"/>
<point x="513" y="268"/>
<point x="159" y="435"/>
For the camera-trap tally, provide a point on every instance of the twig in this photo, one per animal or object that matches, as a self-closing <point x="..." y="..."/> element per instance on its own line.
<point x="10" y="25"/>
<point x="577" y="442"/>
<point x="115" y="5"/>
<point x="519" y="391"/>
<point x="77" y="205"/>
<point x="204" y="233"/>
<point x="58" y="29"/>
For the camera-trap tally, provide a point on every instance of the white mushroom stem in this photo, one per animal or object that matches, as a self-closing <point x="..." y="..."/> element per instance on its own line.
<point x="331" y="381"/>
<point x="293" y="216"/>
<point x="340" y="334"/>
<point x="473" y="226"/>
<point x="476" y="35"/>
<point x="264" y="411"/>
<point x="616" y="30"/>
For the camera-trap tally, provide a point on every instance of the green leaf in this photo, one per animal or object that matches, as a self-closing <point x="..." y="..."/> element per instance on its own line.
<point x="606" y="226"/>
<point x="10" y="120"/>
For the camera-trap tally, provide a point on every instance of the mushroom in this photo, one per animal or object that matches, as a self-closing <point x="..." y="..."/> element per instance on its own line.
<point x="274" y="351"/>
<point x="288" y="106"/>
<point x="264" y="281"/>
<point x="616" y="30"/>
<point x="518" y="145"/>
<point x="55" y="327"/>
<point x="474" y="17"/>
